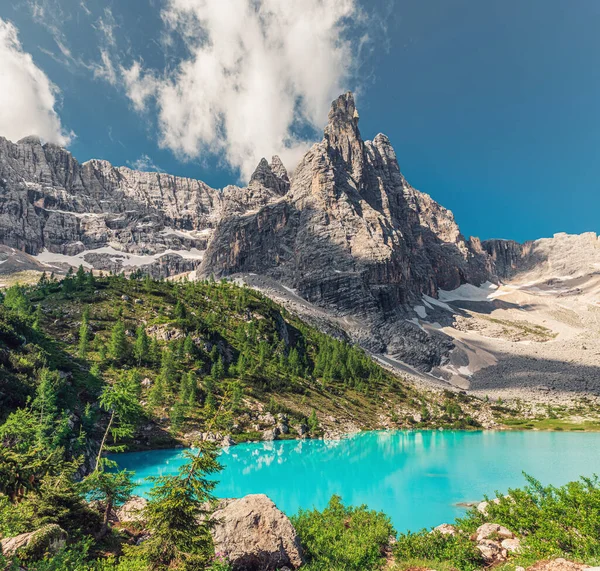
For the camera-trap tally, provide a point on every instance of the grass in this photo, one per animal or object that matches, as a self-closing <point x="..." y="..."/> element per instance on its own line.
<point x="557" y="424"/>
<point x="424" y="565"/>
<point x="525" y="327"/>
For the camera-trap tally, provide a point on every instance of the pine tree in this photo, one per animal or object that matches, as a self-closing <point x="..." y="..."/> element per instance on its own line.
<point x="84" y="333"/>
<point x="154" y="352"/>
<point x="15" y="299"/>
<point x="313" y="422"/>
<point x="177" y="514"/>
<point x="217" y="371"/>
<point x="45" y="404"/>
<point x="67" y="283"/>
<point x="180" y="311"/>
<point x="167" y="369"/>
<point x="294" y="363"/>
<point x="188" y="347"/>
<point x="188" y="389"/>
<point x="118" y="347"/>
<point x="37" y="317"/>
<point x="80" y="277"/>
<point x="121" y="401"/>
<point x="101" y="348"/>
<point x="157" y="395"/>
<point x="141" y="346"/>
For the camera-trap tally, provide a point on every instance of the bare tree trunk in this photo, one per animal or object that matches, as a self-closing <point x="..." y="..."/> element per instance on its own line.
<point x="112" y="416"/>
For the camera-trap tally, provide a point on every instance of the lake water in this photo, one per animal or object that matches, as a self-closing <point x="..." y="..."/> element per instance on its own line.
<point x="416" y="477"/>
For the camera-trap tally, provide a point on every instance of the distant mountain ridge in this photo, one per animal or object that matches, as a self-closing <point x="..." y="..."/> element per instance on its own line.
<point x="345" y="232"/>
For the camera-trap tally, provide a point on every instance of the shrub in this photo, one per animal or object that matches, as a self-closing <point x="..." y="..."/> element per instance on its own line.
<point x="552" y="521"/>
<point x="438" y="548"/>
<point x="340" y="537"/>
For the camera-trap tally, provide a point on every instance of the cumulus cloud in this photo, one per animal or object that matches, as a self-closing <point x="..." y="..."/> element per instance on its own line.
<point x="28" y="97"/>
<point x="258" y="75"/>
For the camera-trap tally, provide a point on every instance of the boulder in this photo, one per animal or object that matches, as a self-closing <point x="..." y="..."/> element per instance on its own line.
<point x="559" y="564"/>
<point x="267" y="418"/>
<point x="492" y="551"/>
<point x="227" y="441"/>
<point x="131" y="510"/>
<point x="253" y="535"/>
<point x="493" y="531"/>
<point x="271" y="434"/>
<point x="301" y="429"/>
<point x="483" y="506"/>
<point x="445" y="529"/>
<point x="35" y="544"/>
<point x="511" y="545"/>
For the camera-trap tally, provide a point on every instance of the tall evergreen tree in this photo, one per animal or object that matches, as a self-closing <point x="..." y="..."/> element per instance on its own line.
<point x="80" y="277"/>
<point x="141" y="346"/>
<point x="180" y="311"/>
<point x="178" y="516"/>
<point x="15" y="299"/>
<point x="37" y="317"/>
<point x="84" y="333"/>
<point x="118" y="347"/>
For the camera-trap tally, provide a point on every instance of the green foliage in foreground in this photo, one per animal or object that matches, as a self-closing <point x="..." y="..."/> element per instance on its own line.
<point x="177" y="515"/>
<point x="343" y="538"/>
<point x="550" y="521"/>
<point x="438" y="548"/>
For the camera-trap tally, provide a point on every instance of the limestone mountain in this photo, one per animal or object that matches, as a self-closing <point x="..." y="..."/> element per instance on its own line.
<point x="344" y="240"/>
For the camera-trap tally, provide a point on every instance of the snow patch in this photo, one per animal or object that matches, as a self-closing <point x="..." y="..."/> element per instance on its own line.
<point x="468" y="292"/>
<point x="420" y="311"/>
<point x="47" y="257"/>
<point x="185" y="233"/>
<point x="75" y="214"/>
<point x="438" y="303"/>
<point x="126" y="259"/>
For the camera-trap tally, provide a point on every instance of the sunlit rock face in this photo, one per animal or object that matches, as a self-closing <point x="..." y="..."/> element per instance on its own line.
<point x="344" y="239"/>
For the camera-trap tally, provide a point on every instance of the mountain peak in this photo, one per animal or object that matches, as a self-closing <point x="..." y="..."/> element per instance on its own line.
<point x="278" y="168"/>
<point x="343" y="119"/>
<point x="32" y="140"/>
<point x="271" y="176"/>
<point x="343" y="136"/>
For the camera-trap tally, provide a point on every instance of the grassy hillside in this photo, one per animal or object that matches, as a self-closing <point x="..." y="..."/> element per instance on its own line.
<point x="190" y="348"/>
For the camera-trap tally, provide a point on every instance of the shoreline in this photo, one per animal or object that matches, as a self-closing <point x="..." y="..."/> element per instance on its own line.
<point x="179" y="445"/>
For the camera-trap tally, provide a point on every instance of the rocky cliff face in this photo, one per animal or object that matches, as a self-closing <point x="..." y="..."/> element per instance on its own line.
<point x="346" y="234"/>
<point x="350" y="233"/>
<point x="97" y="213"/>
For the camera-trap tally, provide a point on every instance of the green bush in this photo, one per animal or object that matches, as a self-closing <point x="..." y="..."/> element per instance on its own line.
<point x="438" y="548"/>
<point x="344" y="538"/>
<point x="551" y="521"/>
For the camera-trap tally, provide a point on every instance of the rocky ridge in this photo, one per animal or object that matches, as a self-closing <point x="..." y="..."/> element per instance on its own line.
<point x="345" y="241"/>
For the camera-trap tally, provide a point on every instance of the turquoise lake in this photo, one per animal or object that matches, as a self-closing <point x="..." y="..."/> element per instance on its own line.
<point x="416" y="477"/>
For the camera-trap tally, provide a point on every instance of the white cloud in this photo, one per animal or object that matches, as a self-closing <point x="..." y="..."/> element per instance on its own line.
<point x="140" y="87"/>
<point x="145" y="163"/>
<point x="106" y="27"/>
<point x="105" y="69"/>
<point x="28" y="97"/>
<point x="256" y="71"/>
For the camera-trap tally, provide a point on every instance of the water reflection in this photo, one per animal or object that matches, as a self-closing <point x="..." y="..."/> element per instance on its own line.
<point x="415" y="477"/>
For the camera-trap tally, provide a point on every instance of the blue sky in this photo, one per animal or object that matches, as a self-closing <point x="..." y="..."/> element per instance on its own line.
<point x="493" y="107"/>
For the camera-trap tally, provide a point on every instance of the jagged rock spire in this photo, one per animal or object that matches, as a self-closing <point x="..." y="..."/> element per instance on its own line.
<point x="343" y="119"/>
<point x="343" y="135"/>
<point x="278" y="168"/>
<point x="272" y="176"/>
